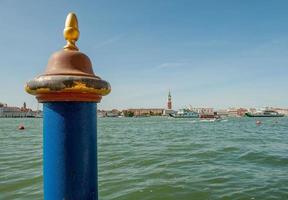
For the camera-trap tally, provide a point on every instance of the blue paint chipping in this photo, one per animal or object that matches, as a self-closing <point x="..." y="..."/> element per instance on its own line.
<point x="70" y="151"/>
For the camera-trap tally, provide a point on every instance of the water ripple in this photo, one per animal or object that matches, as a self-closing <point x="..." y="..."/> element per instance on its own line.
<point x="161" y="158"/>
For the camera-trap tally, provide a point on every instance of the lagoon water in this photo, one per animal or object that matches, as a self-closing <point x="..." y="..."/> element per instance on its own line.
<point x="161" y="158"/>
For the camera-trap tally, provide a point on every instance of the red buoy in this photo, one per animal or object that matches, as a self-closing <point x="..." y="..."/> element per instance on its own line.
<point x="21" y="127"/>
<point x="258" y="122"/>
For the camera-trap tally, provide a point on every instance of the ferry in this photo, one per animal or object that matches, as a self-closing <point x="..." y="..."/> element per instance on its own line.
<point x="185" y="113"/>
<point x="266" y="113"/>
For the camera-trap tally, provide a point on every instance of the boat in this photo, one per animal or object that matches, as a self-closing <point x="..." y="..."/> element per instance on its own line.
<point x="211" y="120"/>
<point x="210" y="117"/>
<point x="266" y="113"/>
<point x="185" y="113"/>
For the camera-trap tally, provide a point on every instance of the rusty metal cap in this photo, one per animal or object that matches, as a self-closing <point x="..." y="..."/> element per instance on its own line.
<point x="69" y="74"/>
<point x="69" y="62"/>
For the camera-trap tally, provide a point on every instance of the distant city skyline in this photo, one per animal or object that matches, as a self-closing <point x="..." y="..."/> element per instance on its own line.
<point x="207" y="53"/>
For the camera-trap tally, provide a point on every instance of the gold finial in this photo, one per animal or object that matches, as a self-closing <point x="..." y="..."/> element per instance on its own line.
<point x="71" y="32"/>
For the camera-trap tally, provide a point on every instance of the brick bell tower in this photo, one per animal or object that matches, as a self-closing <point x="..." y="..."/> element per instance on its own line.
<point x="169" y="103"/>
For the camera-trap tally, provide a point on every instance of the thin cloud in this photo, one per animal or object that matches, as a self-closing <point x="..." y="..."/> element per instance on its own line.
<point x="208" y="43"/>
<point x="110" y="41"/>
<point x="170" y="65"/>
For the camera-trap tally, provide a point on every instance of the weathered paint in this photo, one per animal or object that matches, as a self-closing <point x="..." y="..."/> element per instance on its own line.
<point x="88" y="88"/>
<point x="45" y="84"/>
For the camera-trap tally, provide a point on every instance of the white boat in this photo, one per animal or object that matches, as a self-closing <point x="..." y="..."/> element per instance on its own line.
<point x="185" y="113"/>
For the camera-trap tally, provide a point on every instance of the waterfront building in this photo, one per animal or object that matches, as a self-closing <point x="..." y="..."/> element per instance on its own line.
<point x="108" y="113"/>
<point x="16" y="112"/>
<point x="237" y="112"/>
<point x="223" y="113"/>
<point x="283" y="111"/>
<point x="166" y="112"/>
<point x="252" y="110"/>
<point x="232" y="112"/>
<point x="241" y="112"/>
<point x="145" y="111"/>
<point x="202" y="110"/>
<point x="100" y="113"/>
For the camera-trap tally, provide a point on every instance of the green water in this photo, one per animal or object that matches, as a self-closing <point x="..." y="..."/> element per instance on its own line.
<point x="162" y="159"/>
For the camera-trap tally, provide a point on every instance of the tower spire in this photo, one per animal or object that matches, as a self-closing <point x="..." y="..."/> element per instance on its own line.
<point x="169" y="103"/>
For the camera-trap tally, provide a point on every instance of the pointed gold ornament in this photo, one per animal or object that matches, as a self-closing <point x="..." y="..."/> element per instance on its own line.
<point x="71" y="32"/>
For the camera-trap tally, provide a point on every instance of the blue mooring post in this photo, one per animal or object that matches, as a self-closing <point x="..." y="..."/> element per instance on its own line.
<point x="70" y="150"/>
<point x="69" y="91"/>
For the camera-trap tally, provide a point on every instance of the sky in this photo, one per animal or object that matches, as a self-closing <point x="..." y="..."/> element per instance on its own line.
<point x="209" y="53"/>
